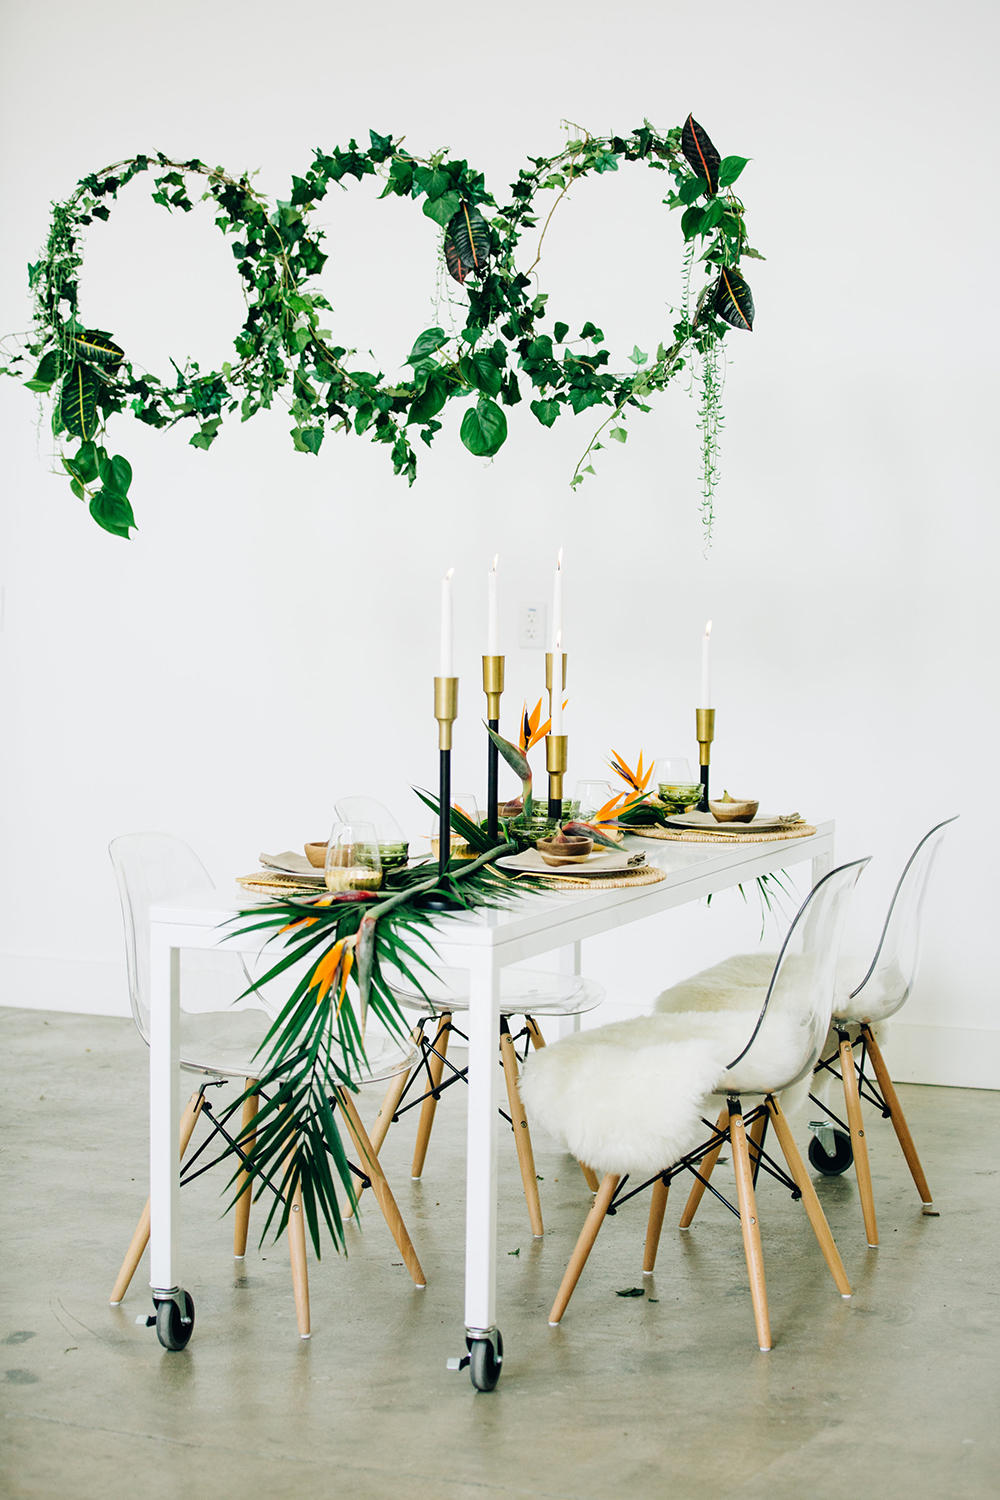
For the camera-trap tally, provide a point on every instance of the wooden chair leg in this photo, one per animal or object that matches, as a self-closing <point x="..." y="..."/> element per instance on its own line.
<point x="297" y="1257"/>
<point x="140" y="1238"/>
<point x="897" y="1117"/>
<point x="817" y="1218"/>
<point x="852" y="1101"/>
<point x="241" y="1212"/>
<point x="380" y="1187"/>
<point x="589" y="1176"/>
<point x="657" y="1208"/>
<point x="388" y="1108"/>
<point x="534" y="1032"/>
<point x="427" y="1109"/>
<point x="750" y="1225"/>
<point x="584" y="1245"/>
<point x="706" y="1169"/>
<point x="522" y="1136"/>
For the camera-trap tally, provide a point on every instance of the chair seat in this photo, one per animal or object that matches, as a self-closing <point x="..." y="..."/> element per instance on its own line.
<point x="532" y="992"/>
<point x="628" y="1097"/>
<point x="224" y="1044"/>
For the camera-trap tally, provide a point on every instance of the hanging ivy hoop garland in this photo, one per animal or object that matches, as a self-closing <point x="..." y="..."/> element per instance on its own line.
<point x="283" y="349"/>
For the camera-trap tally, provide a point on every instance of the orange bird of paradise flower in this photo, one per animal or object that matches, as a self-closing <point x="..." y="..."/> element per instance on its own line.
<point x="638" y="779"/>
<point x="334" y="969"/>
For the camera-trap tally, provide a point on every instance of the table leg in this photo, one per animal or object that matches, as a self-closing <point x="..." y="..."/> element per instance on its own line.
<point x="174" y="1309"/>
<point x="567" y="962"/>
<point x="481" y="1157"/>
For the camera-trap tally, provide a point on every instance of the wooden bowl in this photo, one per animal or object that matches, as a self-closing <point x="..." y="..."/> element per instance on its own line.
<point x="743" y="811"/>
<point x="570" y="851"/>
<point x="316" y="854"/>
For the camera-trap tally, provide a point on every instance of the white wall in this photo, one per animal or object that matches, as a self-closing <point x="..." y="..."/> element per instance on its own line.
<point x="267" y="641"/>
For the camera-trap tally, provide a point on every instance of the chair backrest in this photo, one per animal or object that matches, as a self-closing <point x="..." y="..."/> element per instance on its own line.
<point x="795" y="1016"/>
<point x="889" y="980"/>
<point x="151" y="868"/>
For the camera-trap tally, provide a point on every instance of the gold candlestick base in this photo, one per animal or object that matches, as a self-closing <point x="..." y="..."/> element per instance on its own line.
<point x="555" y="764"/>
<point x="493" y="667"/>
<point x="445" y="708"/>
<point x="705" y="730"/>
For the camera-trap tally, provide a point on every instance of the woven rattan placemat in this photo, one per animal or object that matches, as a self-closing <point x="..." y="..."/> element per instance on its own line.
<point x="645" y="876"/>
<point x="696" y="836"/>
<point x="271" y="882"/>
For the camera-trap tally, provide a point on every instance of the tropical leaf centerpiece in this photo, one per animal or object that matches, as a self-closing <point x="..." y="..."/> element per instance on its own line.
<point x="344" y="947"/>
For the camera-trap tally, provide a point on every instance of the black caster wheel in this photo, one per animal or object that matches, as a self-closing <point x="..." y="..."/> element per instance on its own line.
<point x="832" y="1165"/>
<point x="175" y="1321"/>
<point x="485" y="1362"/>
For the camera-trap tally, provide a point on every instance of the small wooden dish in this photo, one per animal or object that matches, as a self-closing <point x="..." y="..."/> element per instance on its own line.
<point x="734" y="812"/>
<point x="571" y="851"/>
<point x="316" y="854"/>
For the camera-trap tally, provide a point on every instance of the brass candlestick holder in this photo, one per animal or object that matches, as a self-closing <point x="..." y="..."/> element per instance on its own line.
<point x="705" y="729"/>
<point x="446" y="712"/>
<point x="555" y="764"/>
<point x="550" y="672"/>
<point x="493" y="688"/>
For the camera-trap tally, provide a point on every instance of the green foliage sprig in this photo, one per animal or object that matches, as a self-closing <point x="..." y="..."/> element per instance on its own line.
<point x="283" y="349"/>
<point x="314" y="1050"/>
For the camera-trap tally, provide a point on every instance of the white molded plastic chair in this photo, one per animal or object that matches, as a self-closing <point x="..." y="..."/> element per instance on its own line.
<point x="631" y="1098"/>
<point x="525" y="993"/>
<point x="218" y="1041"/>
<point x="859" y="1009"/>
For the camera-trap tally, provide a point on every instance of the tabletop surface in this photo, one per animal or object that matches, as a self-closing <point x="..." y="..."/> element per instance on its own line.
<point x="687" y="867"/>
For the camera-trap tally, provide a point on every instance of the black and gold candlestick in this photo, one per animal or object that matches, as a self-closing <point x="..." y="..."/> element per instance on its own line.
<point x="705" y="728"/>
<point x="555" y="764"/>
<point x="446" y="712"/>
<point x="555" y="800"/>
<point x="493" y="688"/>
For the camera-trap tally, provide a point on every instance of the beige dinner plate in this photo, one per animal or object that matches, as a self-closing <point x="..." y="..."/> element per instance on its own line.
<point x="705" y="822"/>
<point x="607" y="862"/>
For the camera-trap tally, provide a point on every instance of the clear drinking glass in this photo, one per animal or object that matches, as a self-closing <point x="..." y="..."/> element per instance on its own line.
<point x="591" y="797"/>
<point x="392" y="842"/>
<point x="353" y="861"/>
<point x="679" y="788"/>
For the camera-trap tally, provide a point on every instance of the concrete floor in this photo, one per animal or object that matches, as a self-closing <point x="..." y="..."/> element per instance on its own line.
<point x="892" y="1392"/>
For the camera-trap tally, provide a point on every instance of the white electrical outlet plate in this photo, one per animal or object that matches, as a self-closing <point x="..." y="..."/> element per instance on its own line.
<point x="531" y="627"/>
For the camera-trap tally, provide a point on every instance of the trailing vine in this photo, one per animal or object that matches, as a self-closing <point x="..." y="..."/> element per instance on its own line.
<point x="283" y="350"/>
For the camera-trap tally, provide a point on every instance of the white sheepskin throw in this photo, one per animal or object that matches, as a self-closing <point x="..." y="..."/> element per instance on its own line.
<point x="630" y="1097"/>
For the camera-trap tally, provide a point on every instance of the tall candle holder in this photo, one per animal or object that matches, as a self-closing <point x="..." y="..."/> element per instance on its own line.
<point x="555" y="764"/>
<point x="705" y="729"/>
<point x="493" y="688"/>
<point x="446" y="712"/>
<point x="555" y="810"/>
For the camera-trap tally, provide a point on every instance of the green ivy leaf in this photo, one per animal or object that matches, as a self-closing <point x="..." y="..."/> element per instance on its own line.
<point x="484" y="428"/>
<point x="730" y="169"/>
<point x="560" y="331"/>
<point x="442" y="210"/>
<point x="112" y="512"/>
<point x="47" y="373"/>
<point x="619" y="434"/>
<point x="480" y="371"/>
<point x="637" y="356"/>
<point x="606" y="161"/>
<point x="430" y="340"/>
<point x="431" y="399"/>
<point x="545" y="411"/>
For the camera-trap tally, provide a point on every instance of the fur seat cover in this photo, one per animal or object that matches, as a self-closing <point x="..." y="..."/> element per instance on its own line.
<point x="631" y="1096"/>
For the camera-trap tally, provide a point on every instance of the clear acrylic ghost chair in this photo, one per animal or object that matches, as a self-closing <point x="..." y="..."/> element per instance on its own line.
<point x="635" y="1098"/>
<point x="859" y="1009"/>
<point x="218" y="1040"/>
<point x="526" y="994"/>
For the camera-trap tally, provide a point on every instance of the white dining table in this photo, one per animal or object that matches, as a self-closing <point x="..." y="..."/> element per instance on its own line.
<point x="484" y="943"/>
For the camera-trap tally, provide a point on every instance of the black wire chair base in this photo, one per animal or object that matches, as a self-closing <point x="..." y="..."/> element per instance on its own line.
<point x="759" y="1160"/>
<point x="433" y="1049"/>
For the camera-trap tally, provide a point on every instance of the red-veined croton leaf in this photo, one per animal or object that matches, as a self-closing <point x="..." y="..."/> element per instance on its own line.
<point x="733" y="299"/>
<point x="466" y="243"/>
<point x="699" y="153"/>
